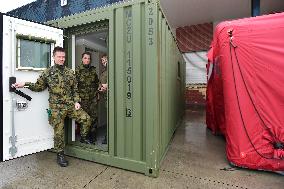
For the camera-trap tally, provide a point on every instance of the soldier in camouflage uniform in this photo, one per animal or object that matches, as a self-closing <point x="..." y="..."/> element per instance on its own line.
<point x="88" y="83"/>
<point x="103" y="77"/>
<point x="103" y="86"/>
<point x="64" y="100"/>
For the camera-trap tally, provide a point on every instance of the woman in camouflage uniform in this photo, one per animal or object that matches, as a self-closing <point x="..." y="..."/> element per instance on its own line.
<point x="88" y="82"/>
<point x="103" y="86"/>
<point x="103" y="77"/>
<point x="64" y="100"/>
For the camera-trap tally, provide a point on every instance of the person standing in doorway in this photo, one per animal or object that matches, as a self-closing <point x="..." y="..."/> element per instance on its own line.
<point x="64" y="101"/>
<point x="88" y="83"/>
<point x="103" y="86"/>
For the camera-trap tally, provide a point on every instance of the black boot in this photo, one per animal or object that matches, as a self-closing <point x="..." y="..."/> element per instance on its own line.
<point x="61" y="160"/>
<point x="92" y="136"/>
<point x="85" y="140"/>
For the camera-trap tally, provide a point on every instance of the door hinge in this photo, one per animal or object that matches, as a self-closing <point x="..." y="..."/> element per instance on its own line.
<point x="13" y="149"/>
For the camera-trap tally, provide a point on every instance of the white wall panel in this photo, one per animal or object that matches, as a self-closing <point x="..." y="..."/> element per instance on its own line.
<point x="196" y="67"/>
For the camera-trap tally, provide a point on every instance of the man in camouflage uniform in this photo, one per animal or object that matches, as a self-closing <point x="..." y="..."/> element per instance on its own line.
<point x="88" y="83"/>
<point x="64" y="100"/>
<point x="103" y="86"/>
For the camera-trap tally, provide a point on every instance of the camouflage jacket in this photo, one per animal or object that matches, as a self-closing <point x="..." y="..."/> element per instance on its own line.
<point x="103" y="80"/>
<point x="88" y="82"/>
<point x="103" y="76"/>
<point x="61" y="84"/>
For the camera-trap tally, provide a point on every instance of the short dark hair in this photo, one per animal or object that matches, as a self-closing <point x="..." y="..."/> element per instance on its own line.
<point x="87" y="53"/>
<point x="104" y="55"/>
<point x="58" y="49"/>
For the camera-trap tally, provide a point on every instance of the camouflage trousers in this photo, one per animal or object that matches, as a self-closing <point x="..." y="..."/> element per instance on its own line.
<point x="103" y="98"/>
<point x="58" y="114"/>
<point x="91" y="108"/>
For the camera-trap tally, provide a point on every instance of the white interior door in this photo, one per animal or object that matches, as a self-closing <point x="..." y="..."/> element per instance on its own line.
<point x="26" y="51"/>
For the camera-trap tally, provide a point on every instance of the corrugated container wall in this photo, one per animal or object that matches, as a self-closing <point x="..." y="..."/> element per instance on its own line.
<point x="146" y="84"/>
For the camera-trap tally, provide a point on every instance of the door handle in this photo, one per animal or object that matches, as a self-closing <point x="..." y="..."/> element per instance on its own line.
<point x="12" y="80"/>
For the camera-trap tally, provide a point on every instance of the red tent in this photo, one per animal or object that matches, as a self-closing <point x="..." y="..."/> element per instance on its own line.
<point x="245" y="94"/>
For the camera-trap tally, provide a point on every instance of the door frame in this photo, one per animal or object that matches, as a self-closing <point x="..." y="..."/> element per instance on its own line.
<point x="1" y="87"/>
<point x="71" y="34"/>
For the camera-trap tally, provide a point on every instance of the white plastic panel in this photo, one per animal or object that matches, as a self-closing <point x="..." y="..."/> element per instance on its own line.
<point x="31" y="126"/>
<point x="196" y="67"/>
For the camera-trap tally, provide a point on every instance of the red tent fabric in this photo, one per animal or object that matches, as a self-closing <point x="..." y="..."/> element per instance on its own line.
<point x="245" y="93"/>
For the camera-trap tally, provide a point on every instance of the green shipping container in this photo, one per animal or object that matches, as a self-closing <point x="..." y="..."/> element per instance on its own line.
<point x="146" y="78"/>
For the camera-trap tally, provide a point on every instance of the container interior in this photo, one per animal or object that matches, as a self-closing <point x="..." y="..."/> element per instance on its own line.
<point x="94" y="40"/>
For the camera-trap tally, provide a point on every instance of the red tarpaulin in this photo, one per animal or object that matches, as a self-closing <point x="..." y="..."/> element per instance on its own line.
<point x="245" y="93"/>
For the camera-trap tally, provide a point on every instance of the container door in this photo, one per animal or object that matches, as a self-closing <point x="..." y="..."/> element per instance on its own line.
<point x="26" y="50"/>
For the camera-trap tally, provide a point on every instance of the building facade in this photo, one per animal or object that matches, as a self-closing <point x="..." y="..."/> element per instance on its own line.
<point x="46" y="10"/>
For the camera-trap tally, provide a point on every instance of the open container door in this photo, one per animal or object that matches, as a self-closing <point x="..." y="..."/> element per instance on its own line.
<point x="26" y="50"/>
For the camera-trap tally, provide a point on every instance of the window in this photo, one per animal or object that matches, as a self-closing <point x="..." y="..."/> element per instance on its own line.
<point x="33" y="53"/>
